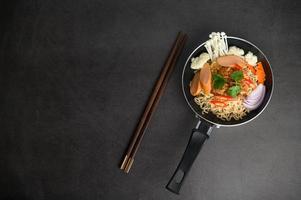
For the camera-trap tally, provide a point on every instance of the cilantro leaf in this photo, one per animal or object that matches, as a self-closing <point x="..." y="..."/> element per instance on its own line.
<point x="234" y="90"/>
<point x="237" y="75"/>
<point x="218" y="81"/>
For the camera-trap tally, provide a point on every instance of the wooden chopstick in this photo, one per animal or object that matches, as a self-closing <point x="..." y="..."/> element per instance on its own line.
<point x="159" y="95"/>
<point x="153" y="102"/>
<point x="150" y="102"/>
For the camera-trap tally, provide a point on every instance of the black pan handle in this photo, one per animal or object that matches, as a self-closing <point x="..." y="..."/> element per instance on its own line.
<point x="196" y="141"/>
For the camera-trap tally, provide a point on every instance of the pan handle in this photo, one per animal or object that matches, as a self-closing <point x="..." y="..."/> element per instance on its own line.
<point x="196" y="141"/>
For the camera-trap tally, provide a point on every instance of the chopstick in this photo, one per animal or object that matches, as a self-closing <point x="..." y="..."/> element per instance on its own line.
<point x="164" y="84"/>
<point x="150" y="102"/>
<point x="153" y="102"/>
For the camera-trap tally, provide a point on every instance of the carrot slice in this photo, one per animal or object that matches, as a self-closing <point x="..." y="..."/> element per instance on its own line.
<point x="195" y="85"/>
<point x="260" y="73"/>
<point x="223" y="96"/>
<point x="218" y="103"/>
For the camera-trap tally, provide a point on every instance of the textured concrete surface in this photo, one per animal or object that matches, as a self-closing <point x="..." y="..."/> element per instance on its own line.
<point x="75" y="76"/>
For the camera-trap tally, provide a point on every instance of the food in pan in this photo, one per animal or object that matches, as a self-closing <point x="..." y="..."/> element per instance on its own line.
<point x="228" y="81"/>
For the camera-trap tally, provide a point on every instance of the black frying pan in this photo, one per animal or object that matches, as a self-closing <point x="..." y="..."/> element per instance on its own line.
<point x="208" y="121"/>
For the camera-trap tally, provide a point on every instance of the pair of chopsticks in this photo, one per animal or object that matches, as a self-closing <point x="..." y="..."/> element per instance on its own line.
<point x="153" y="101"/>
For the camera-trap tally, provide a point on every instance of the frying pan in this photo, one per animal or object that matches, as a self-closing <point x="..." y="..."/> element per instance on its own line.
<point x="208" y="121"/>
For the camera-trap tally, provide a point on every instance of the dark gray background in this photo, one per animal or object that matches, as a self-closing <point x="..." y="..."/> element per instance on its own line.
<point x="75" y="76"/>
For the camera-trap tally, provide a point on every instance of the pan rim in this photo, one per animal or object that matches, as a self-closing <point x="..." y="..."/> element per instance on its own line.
<point x="227" y="125"/>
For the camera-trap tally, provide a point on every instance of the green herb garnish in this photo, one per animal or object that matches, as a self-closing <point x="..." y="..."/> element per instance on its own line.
<point x="234" y="90"/>
<point x="237" y="76"/>
<point x="218" y="81"/>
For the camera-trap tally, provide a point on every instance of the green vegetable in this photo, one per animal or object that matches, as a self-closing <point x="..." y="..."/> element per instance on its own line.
<point x="218" y="81"/>
<point x="234" y="90"/>
<point x="237" y="76"/>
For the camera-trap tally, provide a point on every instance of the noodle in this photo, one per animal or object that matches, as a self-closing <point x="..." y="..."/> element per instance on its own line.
<point x="226" y="82"/>
<point x="223" y="107"/>
<point x="233" y="109"/>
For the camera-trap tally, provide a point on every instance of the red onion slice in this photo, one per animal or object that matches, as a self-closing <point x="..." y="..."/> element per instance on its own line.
<point x="256" y="97"/>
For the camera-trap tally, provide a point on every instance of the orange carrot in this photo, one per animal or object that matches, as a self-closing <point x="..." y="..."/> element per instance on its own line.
<point x="260" y="73"/>
<point x="222" y="96"/>
<point x="218" y="103"/>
